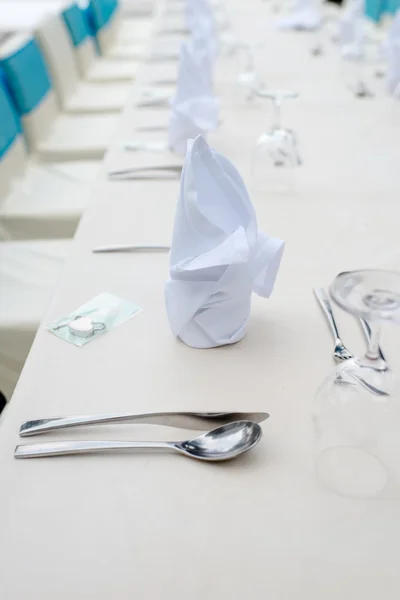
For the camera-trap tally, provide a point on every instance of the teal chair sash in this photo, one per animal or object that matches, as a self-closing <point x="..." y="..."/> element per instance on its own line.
<point x="27" y="77"/>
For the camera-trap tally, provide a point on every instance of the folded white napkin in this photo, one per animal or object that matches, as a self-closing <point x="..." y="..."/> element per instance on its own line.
<point x="352" y="25"/>
<point x="218" y="257"/>
<point x="196" y="10"/>
<point x="194" y="74"/>
<point x="392" y="48"/>
<point x="305" y="14"/>
<point x="204" y="39"/>
<point x="194" y="109"/>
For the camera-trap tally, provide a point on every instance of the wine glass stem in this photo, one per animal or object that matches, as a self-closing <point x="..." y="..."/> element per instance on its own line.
<point x="373" y="344"/>
<point x="372" y="357"/>
<point x="276" y="117"/>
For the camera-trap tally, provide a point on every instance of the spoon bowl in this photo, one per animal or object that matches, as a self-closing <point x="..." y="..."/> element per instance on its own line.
<point x="224" y="443"/>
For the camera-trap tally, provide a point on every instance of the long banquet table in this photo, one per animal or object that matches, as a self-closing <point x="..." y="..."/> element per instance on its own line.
<point x="158" y="526"/>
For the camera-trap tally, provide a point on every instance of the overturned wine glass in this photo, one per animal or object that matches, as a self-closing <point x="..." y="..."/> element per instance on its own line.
<point x="275" y="156"/>
<point x="357" y="409"/>
<point x="249" y="78"/>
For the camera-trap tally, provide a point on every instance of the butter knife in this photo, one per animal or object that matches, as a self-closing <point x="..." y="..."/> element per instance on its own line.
<point x="156" y="172"/>
<point x="182" y="420"/>
<point x="129" y="248"/>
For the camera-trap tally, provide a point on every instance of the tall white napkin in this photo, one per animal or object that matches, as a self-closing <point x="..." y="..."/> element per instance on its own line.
<point x="218" y="256"/>
<point x="305" y="14"/>
<point x="352" y="26"/>
<point x="392" y="48"/>
<point x="204" y="39"/>
<point x="194" y="109"/>
<point x="196" y="10"/>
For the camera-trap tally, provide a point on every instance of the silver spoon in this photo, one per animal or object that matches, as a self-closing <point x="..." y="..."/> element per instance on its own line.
<point x="223" y="443"/>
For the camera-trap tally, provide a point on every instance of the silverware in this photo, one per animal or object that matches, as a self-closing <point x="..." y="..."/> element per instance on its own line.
<point x="340" y="352"/>
<point x="157" y="57"/>
<point x="316" y="50"/>
<point x="171" y="81"/>
<point x="174" y="30"/>
<point x="152" y="128"/>
<point x="152" y="102"/>
<point x="127" y="248"/>
<point x="145" y="146"/>
<point x="155" y="172"/>
<point x="361" y="90"/>
<point x="224" y="443"/>
<point x="181" y="420"/>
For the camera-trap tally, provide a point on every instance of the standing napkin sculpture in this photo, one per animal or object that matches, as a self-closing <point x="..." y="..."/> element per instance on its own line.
<point x="218" y="256"/>
<point x="196" y="10"/>
<point x="352" y="27"/>
<point x="194" y="109"/>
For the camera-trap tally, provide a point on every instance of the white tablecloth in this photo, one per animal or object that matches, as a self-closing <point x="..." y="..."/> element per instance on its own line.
<point x="157" y="526"/>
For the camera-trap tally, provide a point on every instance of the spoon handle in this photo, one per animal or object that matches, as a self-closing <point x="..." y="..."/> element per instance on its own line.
<point x="181" y="420"/>
<point x="41" y="450"/>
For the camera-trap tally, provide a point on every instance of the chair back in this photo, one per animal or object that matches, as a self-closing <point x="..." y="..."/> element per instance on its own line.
<point x="77" y="27"/>
<point x="30" y="86"/>
<point x="58" y="50"/>
<point x="12" y="150"/>
<point x="104" y="16"/>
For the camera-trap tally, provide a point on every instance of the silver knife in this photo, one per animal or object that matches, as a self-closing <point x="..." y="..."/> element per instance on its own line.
<point x="128" y="248"/>
<point x="182" y="420"/>
<point x="156" y="172"/>
<point x="152" y="128"/>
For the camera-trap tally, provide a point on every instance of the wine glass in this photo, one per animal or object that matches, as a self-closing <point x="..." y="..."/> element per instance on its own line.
<point x="275" y="156"/>
<point x="247" y="77"/>
<point x="357" y="410"/>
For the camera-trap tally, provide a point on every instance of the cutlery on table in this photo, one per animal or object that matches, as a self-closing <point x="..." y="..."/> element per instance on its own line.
<point x="181" y="420"/>
<point x="157" y="57"/>
<point x="150" y="102"/>
<point x="340" y="351"/>
<point x="155" y="172"/>
<point x="171" y="81"/>
<point x="152" y="128"/>
<point x="145" y="146"/>
<point x="223" y="443"/>
<point x="361" y="90"/>
<point x="130" y="248"/>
